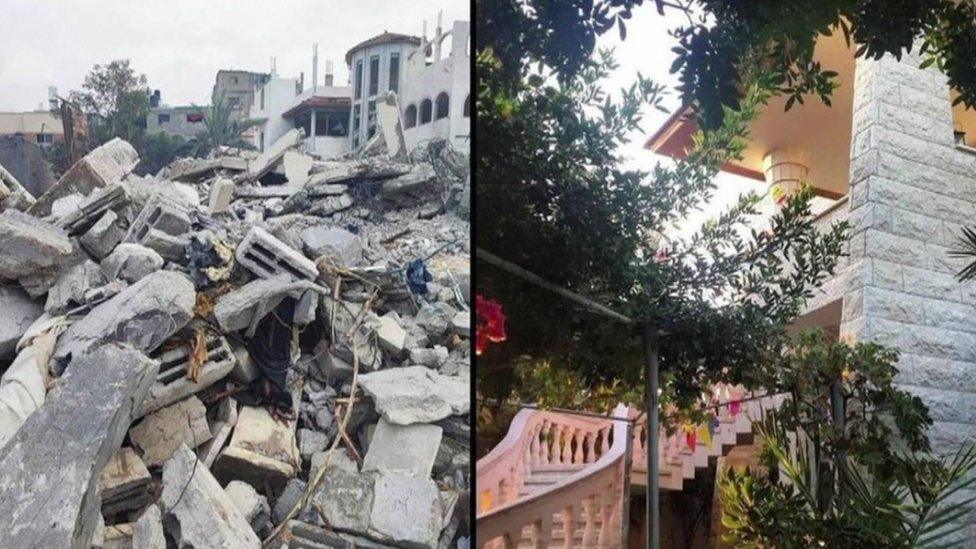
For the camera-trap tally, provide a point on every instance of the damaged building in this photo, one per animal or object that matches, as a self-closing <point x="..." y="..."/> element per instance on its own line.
<point x="254" y="347"/>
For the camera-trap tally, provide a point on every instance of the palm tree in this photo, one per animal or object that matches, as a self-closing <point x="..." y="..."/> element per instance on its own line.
<point x="222" y="128"/>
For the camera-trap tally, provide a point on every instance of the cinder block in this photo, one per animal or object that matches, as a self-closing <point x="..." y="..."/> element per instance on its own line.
<point x="266" y="256"/>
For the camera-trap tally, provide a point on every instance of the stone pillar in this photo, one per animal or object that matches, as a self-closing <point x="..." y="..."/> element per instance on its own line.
<point x="911" y="192"/>
<point x="786" y="171"/>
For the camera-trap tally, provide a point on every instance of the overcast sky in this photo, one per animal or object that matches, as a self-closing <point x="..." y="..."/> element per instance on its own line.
<point x="180" y="44"/>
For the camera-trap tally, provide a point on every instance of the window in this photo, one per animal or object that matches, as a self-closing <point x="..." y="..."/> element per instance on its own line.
<point x="394" y="84"/>
<point x="443" y="106"/>
<point x="262" y="99"/>
<point x="374" y="75"/>
<point x="359" y="79"/>
<point x="336" y="125"/>
<point x="371" y="119"/>
<point x="467" y="106"/>
<point x="194" y="117"/>
<point x="410" y="117"/>
<point x="356" y="123"/>
<point x="45" y="138"/>
<point x="162" y="119"/>
<point x="262" y="141"/>
<point x="425" y="108"/>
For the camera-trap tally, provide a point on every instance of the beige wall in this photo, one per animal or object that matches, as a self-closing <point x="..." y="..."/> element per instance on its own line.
<point x="29" y="123"/>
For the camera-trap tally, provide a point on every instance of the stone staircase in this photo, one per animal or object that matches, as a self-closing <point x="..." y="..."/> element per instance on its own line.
<point x="554" y="469"/>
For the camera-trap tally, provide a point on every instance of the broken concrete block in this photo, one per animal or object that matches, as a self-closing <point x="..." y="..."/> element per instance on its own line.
<point x="407" y="448"/>
<point x="391" y="124"/>
<point x="235" y="310"/>
<point x="103" y="236"/>
<point x="343" y="248"/>
<point x="273" y="154"/>
<point x="290" y="496"/>
<point x="197" y="510"/>
<point x="172" y="385"/>
<point x="297" y="166"/>
<point x="143" y="316"/>
<point x="252" y="505"/>
<point x="168" y="246"/>
<point x="222" y="427"/>
<point x="311" y="442"/>
<point x="260" y="450"/>
<point x="72" y="285"/>
<point x="221" y="195"/>
<point x="162" y="214"/>
<point x="406" y="510"/>
<point x="13" y="195"/>
<point x="159" y="434"/>
<point x="345" y="498"/>
<point x="420" y="176"/>
<point x="119" y="536"/>
<point x="309" y="536"/>
<point x="461" y="323"/>
<point x="339" y="460"/>
<point x="131" y="262"/>
<point x="49" y="470"/>
<point x="148" y="530"/>
<point x="29" y="245"/>
<point x="326" y="206"/>
<point x="416" y="394"/>
<point x="108" y="199"/>
<point x="266" y="256"/>
<point x="245" y="371"/>
<point x="124" y="483"/>
<point x="17" y="312"/>
<point x="98" y="538"/>
<point x="66" y="205"/>
<point x="433" y="321"/>
<point x="430" y="357"/>
<point x="390" y="334"/>
<point x="104" y="165"/>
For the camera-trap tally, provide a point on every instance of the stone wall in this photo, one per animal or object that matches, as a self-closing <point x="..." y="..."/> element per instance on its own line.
<point x="911" y="191"/>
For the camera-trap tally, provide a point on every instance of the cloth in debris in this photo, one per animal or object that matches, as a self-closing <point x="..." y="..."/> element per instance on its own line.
<point x="418" y="276"/>
<point x="23" y="386"/>
<point x="270" y="350"/>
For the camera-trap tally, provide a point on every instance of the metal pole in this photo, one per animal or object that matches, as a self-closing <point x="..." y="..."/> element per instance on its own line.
<point x="653" y="430"/>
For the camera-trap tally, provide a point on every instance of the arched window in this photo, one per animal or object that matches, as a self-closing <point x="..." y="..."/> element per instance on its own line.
<point x="410" y="117"/>
<point x="425" y="111"/>
<point x="467" y="106"/>
<point x="443" y="106"/>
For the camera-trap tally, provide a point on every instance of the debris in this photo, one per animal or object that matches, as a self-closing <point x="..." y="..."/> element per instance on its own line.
<point x="253" y="506"/>
<point x="123" y="484"/>
<point x="49" y="470"/>
<point x="261" y="450"/>
<point x="221" y="428"/>
<point x="341" y="246"/>
<point x="289" y="497"/>
<point x="148" y="531"/>
<point x="106" y="164"/>
<point x="174" y="381"/>
<point x="29" y="245"/>
<point x="418" y="276"/>
<point x="416" y="394"/>
<point x="103" y="236"/>
<point x="407" y="448"/>
<point x="266" y="256"/>
<point x="197" y="510"/>
<point x="221" y="194"/>
<point x="143" y="316"/>
<point x="131" y="262"/>
<point x="160" y="433"/>
<point x="17" y="312"/>
<point x="23" y="385"/>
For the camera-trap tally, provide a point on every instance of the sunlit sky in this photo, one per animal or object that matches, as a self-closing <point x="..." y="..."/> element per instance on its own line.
<point x="647" y="49"/>
<point x="180" y="44"/>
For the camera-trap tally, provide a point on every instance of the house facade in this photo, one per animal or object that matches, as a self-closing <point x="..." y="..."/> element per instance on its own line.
<point x="39" y="127"/>
<point x="894" y="158"/>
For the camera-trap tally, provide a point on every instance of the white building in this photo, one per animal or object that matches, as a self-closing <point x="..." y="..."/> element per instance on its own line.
<point x="432" y="80"/>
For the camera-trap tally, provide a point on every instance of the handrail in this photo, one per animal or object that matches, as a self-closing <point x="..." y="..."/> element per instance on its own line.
<point x="598" y="489"/>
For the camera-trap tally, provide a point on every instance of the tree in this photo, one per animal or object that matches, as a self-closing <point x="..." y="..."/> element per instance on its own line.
<point x="222" y="128"/>
<point x="553" y="198"/>
<point x="722" y="37"/>
<point x="159" y="149"/>
<point x="846" y="459"/>
<point x="116" y="100"/>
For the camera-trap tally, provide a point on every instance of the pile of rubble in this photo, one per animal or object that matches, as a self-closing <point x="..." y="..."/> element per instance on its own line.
<point x="244" y="347"/>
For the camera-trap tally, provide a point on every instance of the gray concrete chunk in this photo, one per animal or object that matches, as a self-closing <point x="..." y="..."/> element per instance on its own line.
<point x="159" y="434"/>
<point x="103" y="236"/>
<point x="28" y="245"/>
<point x="406" y="448"/>
<point x="49" y="470"/>
<point x="17" y="312"/>
<point x="131" y="262"/>
<point x="143" y="316"/>
<point x="341" y="246"/>
<point x="148" y="531"/>
<point x="416" y="394"/>
<point x="406" y="510"/>
<point x="197" y="510"/>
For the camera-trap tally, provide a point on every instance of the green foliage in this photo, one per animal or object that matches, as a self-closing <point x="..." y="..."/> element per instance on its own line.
<point x="845" y="459"/>
<point x="116" y="101"/>
<point x="158" y="149"/>
<point x="553" y="198"/>
<point x="723" y="37"/>
<point x="59" y="157"/>
<point x="222" y="129"/>
<point x="967" y="243"/>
